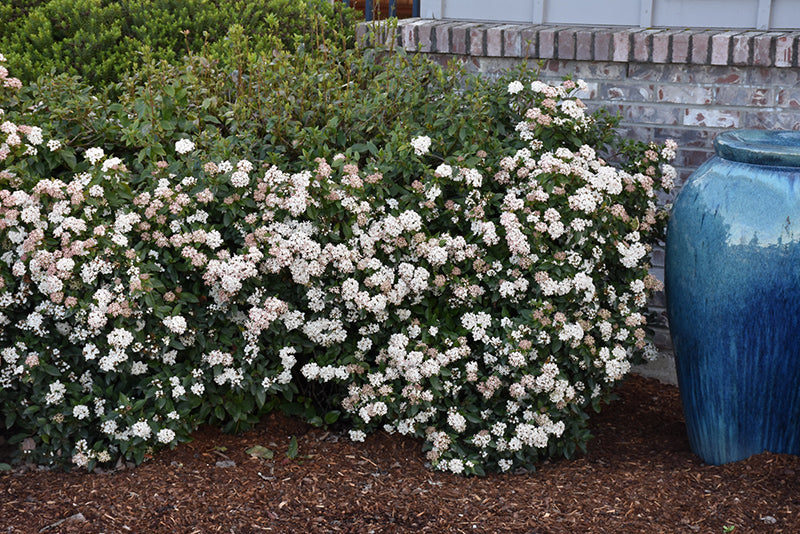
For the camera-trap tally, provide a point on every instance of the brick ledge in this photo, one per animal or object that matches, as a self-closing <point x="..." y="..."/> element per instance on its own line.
<point x="618" y="44"/>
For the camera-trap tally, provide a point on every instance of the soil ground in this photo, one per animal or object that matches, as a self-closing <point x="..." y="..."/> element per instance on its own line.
<point x="639" y="476"/>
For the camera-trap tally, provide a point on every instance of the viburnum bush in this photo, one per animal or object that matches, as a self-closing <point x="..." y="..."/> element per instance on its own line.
<point x="483" y="301"/>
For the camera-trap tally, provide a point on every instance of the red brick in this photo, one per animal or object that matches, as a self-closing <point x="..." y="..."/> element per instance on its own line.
<point x="714" y="118"/>
<point x="685" y="94"/>
<point x="720" y="48"/>
<point x="770" y="120"/>
<point x="625" y="92"/>
<point x="742" y="46"/>
<point x="762" y="49"/>
<point x="409" y="35"/>
<point x="680" y="47"/>
<point x="760" y="97"/>
<point x="443" y="38"/>
<point x="459" y="37"/>
<point x="743" y="95"/>
<point x="731" y="77"/>
<point x="641" y="46"/>
<point x="654" y="114"/>
<point x="583" y="45"/>
<point x="529" y="42"/>
<point x="494" y="41"/>
<point x="512" y="41"/>
<point x="661" y="47"/>
<point x="789" y="98"/>
<point x="425" y="34"/>
<point x="566" y="44"/>
<point x="622" y="46"/>
<point x="477" y="41"/>
<point x="784" y="51"/>
<point x="602" y="45"/>
<point x="547" y="43"/>
<point x="700" y="47"/>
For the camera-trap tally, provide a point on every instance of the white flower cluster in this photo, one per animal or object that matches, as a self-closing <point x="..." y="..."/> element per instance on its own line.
<point x="176" y="324"/>
<point x="184" y="146"/>
<point x="94" y="155"/>
<point x="421" y="145"/>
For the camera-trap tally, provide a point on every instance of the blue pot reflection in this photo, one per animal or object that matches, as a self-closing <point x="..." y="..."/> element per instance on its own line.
<point x="733" y="297"/>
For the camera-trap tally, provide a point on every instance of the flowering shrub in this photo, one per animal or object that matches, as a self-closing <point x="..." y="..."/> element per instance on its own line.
<point x="485" y="304"/>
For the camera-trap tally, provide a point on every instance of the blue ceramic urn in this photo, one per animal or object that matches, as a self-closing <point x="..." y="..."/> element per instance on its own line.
<point x="733" y="297"/>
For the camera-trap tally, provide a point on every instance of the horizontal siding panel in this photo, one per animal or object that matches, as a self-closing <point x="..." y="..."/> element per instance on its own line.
<point x="495" y="10"/>
<point x="785" y="14"/>
<point x="593" y="12"/>
<point x="705" y="13"/>
<point x="732" y="14"/>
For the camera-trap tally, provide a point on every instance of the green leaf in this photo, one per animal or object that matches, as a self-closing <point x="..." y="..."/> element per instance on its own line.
<point x="17" y="438"/>
<point x="315" y="421"/>
<point x="332" y="416"/>
<point x="472" y="418"/>
<point x="261" y="397"/>
<point x="293" y="448"/>
<point x="68" y="156"/>
<point x="259" y="451"/>
<point x="435" y="383"/>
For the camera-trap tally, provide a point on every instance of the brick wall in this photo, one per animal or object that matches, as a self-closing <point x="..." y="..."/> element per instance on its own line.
<point x="683" y="84"/>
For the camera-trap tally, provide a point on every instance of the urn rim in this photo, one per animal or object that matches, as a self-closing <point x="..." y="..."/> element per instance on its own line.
<point x="760" y="147"/>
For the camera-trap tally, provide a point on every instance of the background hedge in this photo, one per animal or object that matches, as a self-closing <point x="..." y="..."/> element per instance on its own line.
<point x="102" y="41"/>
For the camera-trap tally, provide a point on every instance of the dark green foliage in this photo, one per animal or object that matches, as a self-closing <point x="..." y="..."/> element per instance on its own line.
<point x="102" y="41"/>
<point x="11" y="10"/>
<point x="289" y="109"/>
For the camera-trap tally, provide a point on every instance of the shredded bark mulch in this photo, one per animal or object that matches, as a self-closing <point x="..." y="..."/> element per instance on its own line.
<point x="638" y="476"/>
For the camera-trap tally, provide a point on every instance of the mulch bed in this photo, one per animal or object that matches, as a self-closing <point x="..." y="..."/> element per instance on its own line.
<point x="639" y="476"/>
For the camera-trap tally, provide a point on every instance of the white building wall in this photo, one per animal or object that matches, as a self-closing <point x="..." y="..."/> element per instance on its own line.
<point x="745" y="14"/>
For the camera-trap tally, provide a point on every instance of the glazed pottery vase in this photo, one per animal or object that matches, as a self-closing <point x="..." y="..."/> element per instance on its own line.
<point x="733" y="297"/>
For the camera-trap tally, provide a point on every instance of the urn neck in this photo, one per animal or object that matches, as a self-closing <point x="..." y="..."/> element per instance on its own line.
<point x="776" y="148"/>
